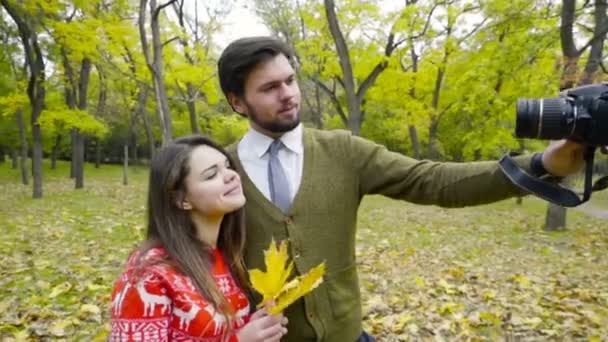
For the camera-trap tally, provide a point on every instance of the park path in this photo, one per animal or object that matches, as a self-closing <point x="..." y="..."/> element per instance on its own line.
<point x="594" y="210"/>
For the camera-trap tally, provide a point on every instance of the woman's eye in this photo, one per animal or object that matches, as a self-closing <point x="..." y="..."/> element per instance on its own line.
<point x="210" y="175"/>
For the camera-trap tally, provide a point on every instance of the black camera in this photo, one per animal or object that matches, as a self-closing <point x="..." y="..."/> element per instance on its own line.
<point x="579" y="114"/>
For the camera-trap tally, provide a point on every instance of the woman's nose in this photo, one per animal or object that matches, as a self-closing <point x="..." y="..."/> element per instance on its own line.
<point x="230" y="175"/>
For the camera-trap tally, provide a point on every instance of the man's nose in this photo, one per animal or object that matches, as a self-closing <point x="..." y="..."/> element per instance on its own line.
<point x="288" y="91"/>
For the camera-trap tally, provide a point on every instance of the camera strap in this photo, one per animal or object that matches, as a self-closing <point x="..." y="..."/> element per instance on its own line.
<point x="547" y="190"/>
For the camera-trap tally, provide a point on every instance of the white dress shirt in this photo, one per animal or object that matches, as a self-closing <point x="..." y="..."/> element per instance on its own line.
<point x="252" y="151"/>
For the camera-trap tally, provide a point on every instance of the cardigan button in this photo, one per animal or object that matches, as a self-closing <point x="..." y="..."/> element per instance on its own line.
<point x="289" y="220"/>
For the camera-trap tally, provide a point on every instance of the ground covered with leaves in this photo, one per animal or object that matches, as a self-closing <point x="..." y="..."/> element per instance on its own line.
<point x="482" y="273"/>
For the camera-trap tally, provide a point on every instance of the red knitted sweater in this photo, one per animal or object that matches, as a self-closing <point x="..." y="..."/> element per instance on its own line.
<point x="158" y="303"/>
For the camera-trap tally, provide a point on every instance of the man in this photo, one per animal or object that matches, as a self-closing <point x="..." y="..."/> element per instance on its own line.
<point x="305" y="185"/>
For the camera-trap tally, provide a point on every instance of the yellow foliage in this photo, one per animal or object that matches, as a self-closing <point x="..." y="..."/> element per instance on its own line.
<point x="270" y="283"/>
<point x="273" y="285"/>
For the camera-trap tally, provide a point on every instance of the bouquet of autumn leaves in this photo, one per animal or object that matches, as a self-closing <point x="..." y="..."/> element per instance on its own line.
<point x="273" y="284"/>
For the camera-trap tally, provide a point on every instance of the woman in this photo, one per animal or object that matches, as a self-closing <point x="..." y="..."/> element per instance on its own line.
<point x="186" y="280"/>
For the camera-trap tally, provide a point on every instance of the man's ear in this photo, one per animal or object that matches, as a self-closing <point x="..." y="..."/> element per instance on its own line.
<point x="237" y="104"/>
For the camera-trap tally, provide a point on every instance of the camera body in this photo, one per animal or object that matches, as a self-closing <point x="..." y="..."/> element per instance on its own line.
<point x="580" y="114"/>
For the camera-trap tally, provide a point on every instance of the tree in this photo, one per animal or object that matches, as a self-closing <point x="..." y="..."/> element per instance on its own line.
<point x="354" y="93"/>
<point x="195" y="79"/>
<point x="13" y="83"/>
<point x="28" y="25"/>
<point x="155" y="62"/>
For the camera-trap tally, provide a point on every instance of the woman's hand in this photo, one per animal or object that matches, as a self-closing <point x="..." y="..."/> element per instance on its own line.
<point x="263" y="327"/>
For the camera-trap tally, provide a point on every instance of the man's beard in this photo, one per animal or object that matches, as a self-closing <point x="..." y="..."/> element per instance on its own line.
<point x="272" y="126"/>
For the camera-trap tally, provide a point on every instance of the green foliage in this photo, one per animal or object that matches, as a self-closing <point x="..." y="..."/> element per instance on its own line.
<point x="13" y="102"/>
<point x="64" y="119"/>
<point x="226" y="129"/>
<point x="514" y="53"/>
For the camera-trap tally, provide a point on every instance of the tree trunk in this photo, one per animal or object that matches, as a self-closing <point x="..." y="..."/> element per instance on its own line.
<point x="14" y="159"/>
<point x="317" y="117"/>
<point x="79" y="148"/>
<point x="597" y="45"/>
<point x="125" y="165"/>
<point x="354" y="95"/>
<point x="23" y="139"/>
<point x="79" y="164"/>
<point x="434" y="149"/>
<point x="155" y="64"/>
<point x="142" y="98"/>
<point x="101" y="109"/>
<point x="73" y="138"/>
<point x="37" y="155"/>
<point x="35" y="87"/>
<point x="133" y="138"/>
<point x="354" y="110"/>
<point x="556" y="218"/>
<point x="415" y="141"/>
<point x="192" y="109"/>
<point x="55" y="152"/>
<point x="411" y="128"/>
<point x="556" y="215"/>
<point x="2" y="155"/>
<point x="97" y="153"/>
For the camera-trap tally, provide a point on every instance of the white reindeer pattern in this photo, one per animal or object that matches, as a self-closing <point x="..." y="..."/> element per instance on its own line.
<point x="185" y="317"/>
<point x="218" y="319"/>
<point x="120" y="297"/>
<point x="240" y="315"/>
<point x="150" y="300"/>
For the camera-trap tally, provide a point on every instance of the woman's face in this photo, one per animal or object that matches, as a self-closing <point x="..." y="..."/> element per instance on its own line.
<point x="213" y="188"/>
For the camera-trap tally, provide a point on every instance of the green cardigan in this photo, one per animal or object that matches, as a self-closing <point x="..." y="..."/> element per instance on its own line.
<point x="339" y="169"/>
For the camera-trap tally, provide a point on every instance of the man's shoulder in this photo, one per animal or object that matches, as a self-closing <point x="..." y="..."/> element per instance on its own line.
<point x="327" y="135"/>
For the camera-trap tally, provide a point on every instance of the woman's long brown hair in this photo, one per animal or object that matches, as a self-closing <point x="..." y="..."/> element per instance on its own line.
<point x="170" y="227"/>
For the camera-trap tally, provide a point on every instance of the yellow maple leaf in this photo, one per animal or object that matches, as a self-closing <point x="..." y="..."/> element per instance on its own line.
<point x="273" y="285"/>
<point x="270" y="283"/>
<point x="298" y="287"/>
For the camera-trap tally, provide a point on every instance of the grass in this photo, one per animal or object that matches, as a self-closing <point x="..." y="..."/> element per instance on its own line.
<point x="427" y="273"/>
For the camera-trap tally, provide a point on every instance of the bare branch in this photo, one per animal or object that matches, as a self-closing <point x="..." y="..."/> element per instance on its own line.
<point x="171" y="40"/>
<point x="371" y="78"/>
<point x="142" y="30"/>
<point x="334" y="99"/>
<point x="160" y="8"/>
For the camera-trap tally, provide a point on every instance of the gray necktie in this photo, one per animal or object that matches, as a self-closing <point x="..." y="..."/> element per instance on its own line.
<point x="277" y="180"/>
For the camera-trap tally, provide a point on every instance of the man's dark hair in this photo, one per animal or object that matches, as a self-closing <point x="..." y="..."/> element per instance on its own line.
<point x="242" y="55"/>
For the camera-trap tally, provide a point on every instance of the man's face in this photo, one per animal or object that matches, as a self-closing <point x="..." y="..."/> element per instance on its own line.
<point x="271" y="99"/>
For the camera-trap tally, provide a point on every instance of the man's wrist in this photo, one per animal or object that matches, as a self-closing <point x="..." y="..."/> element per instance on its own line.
<point x="537" y="168"/>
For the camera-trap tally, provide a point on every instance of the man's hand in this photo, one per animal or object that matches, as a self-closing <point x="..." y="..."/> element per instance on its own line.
<point x="565" y="157"/>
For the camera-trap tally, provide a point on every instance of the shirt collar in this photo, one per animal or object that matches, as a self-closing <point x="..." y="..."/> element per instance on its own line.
<point x="293" y="140"/>
<point x="258" y="143"/>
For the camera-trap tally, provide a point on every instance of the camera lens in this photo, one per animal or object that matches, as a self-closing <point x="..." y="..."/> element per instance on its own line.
<point x="528" y="113"/>
<point x="544" y="118"/>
